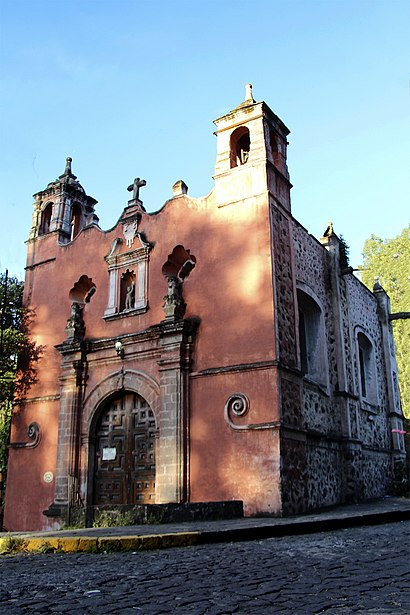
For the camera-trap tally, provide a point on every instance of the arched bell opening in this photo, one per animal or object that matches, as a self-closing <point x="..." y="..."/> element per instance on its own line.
<point x="45" y="221"/>
<point x="76" y="216"/>
<point x="240" y="145"/>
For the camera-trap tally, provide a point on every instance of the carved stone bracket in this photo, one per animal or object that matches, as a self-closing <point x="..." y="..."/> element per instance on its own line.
<point x="75" y="328"/>
<point x="33" y="432"/>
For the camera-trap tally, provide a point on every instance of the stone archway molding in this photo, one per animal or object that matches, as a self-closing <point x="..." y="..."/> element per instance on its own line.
<point x="128" y="380"/>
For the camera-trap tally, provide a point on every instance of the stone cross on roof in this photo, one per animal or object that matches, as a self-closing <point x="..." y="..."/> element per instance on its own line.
<point x="135" y="187"/>
<point x="68" y="162"/>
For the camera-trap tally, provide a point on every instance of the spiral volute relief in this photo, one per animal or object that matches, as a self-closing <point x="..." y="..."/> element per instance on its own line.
<point x="237" y="405"/>
<point x="33" y="432"/>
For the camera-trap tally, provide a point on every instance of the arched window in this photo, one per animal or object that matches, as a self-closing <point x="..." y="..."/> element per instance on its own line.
<point x="75" y="220"/>
<point x="240" y="144"/>
<point x="312" y="339"/>
<point x="46" y="216"/>
<point x="367" y="369"/>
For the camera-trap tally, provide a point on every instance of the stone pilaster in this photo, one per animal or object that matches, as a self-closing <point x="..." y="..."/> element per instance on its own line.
<point x="112" y="292"/>
<point x="345" y="398"/>
<point x="176" y="342"/>
<point x="331" y="243"/>
<point x="55" y="223"/>
<point x="389" y="352"/>
<point x="72" y="382"/>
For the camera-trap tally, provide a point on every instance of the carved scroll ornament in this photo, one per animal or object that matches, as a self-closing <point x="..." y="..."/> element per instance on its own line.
<point x="236" y="406"/>
<point x="33" y="432"/>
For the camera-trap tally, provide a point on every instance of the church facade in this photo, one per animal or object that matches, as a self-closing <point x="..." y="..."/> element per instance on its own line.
<point x="211" y="351"/>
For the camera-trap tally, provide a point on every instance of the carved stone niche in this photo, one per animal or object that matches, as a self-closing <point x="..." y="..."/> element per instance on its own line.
<point x="128" y="278"/>
<point x="80" y="294"/>
<point x="176" y="269"/>
<point x="127" y="291"/>
<point x="83" y="290"/>
<point x="179" y="263"/>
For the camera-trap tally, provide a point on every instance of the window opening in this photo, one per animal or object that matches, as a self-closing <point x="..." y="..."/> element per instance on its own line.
<point x="362" y="372"/>
<point x="302" y="340"/>
<point x="240" y="146"/>
<point x="367" y="369"/>
<point x="46" y="219"/>
<point x="75" y="220"/>
<point x="311" y="339"/>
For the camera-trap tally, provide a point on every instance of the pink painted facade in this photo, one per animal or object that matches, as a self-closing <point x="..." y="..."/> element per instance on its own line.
<point x="210" y="351"/>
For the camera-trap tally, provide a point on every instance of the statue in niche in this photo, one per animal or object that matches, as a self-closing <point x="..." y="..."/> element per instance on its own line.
<point x="127" y="291"/>
<point x="75" y="328"/>
<point x="129" y="296"/>
<point x="174" y="306"/>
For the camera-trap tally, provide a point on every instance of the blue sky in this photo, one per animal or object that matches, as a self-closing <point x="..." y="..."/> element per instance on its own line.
<point x="130" y="88"/>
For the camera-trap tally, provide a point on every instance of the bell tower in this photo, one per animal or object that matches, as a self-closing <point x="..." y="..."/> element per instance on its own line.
<point x="251" y="154"/>
<point x="63" y="208"/>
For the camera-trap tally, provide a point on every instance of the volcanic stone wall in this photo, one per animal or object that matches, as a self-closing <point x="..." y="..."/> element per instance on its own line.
<point x="347" y="439"/>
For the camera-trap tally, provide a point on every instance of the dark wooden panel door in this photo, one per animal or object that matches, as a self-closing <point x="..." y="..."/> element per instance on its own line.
<point x="125" y="453"/>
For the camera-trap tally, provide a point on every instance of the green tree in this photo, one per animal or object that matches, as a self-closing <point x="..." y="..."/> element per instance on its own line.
<point x="18" y="355"/>
<point x="389" y="261"/>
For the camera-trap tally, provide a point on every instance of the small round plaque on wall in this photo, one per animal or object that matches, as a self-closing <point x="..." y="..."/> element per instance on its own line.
<point x="48" y="477"/>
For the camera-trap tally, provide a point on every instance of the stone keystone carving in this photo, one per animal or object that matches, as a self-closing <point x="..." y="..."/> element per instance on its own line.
<point x="174" y="306"/>
<point x="75" y="328"/>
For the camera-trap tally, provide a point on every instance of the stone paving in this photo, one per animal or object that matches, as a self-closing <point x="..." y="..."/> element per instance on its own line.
<point x="358" y="570"/>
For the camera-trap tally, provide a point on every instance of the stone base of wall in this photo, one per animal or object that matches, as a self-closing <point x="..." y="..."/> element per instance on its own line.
<point x="324" y="473"/>
<point x="294" y="476"/>
<point x="401" y="478"/>
<point x="142" y="514"/>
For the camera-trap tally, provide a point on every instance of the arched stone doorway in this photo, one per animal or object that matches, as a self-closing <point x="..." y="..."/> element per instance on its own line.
<point x="124" y="451"/>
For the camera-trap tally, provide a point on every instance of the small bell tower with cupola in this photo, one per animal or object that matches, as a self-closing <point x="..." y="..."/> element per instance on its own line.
<point x="251" y="154"/>
<point x="63" y="208"/>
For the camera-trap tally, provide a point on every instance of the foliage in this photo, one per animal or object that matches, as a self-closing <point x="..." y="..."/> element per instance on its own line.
<point x="45" y="547"/>
<point x="18" y="355"/>
<point x="388" y="260"/>
<point x="11" y="544"/>
<point x="113" y="518"/>
<point x="71" y="526"/>
<point x="344" y="252"/>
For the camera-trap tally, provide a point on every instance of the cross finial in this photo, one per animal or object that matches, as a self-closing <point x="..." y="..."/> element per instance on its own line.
<point x="68" y="162"/>
<point x="135" y="187"/>
<point x="248" y="92"/>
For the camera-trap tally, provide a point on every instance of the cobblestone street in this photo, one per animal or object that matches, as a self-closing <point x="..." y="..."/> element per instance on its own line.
<point x="359" y="570"/>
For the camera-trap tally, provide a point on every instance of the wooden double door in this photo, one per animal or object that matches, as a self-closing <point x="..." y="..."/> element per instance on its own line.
<point x="125" y="452"/>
